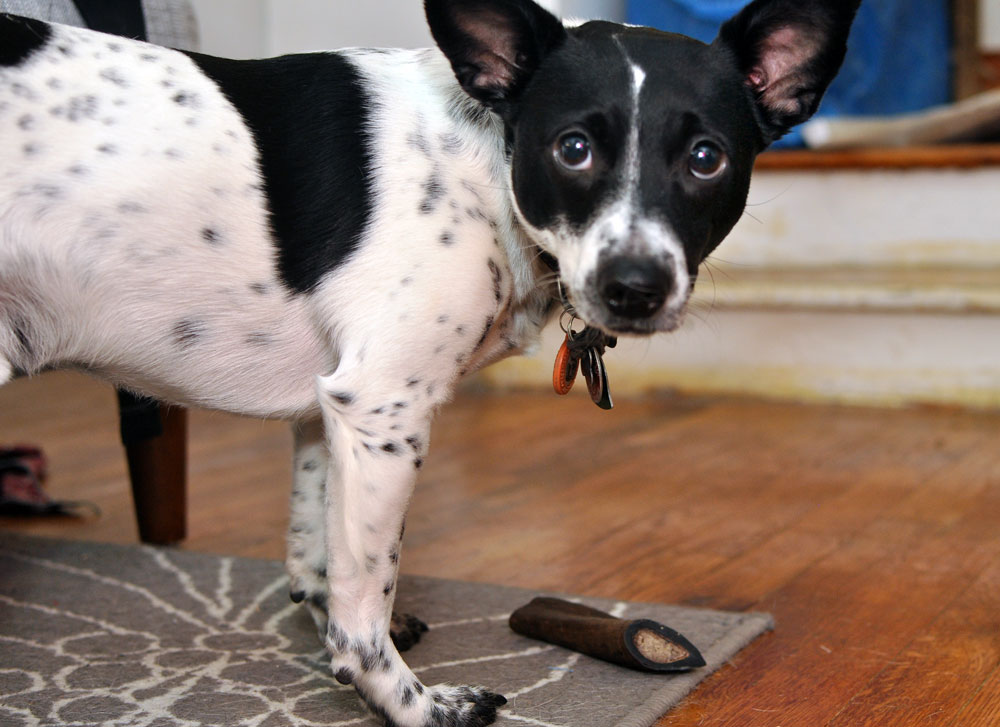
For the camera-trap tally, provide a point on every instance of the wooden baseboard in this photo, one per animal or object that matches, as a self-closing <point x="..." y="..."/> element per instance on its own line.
<point x="955" y="290"/>
<point x="842" y="356"/>
<point x="941" y="156"/>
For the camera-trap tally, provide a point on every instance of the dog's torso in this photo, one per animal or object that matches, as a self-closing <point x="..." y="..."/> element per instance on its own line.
<point x="139" y="239"/>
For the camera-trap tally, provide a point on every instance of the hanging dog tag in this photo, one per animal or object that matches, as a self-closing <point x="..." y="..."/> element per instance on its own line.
<point x="565" y="370"/>
<point x="584" y="350"/>
<point x="597" y="378"/>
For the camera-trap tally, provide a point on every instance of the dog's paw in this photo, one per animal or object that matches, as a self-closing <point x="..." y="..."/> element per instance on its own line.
<point x="463" y="706"/>
<point x="406" y="630"/>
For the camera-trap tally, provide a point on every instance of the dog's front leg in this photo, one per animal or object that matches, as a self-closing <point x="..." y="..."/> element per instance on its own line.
<point x="377" y="434"/>
<point x="306" y="554"/>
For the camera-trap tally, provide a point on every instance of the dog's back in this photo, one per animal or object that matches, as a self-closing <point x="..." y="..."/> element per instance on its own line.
<point x="171" y="220"/>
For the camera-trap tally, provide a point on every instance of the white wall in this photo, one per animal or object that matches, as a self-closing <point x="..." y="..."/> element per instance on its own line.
<point x="232" y="28"/>
<point x="989" y="25"/>
<point x="296" y="25"/>
<point x="256" y="28"/>
<point x="603" y="9"/>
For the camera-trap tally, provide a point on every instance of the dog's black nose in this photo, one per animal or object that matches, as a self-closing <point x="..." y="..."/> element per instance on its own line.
<point x="634" y="287"/>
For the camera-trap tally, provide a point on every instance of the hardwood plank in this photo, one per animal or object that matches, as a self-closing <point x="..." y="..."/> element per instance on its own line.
<point x="984" y="707"/>
<point x="958" y="653"/>
<point x="904" y="570"/>
<point x="872" y="606"/>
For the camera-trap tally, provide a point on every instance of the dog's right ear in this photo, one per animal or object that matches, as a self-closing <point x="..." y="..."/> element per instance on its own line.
<point x="494" y="46"/>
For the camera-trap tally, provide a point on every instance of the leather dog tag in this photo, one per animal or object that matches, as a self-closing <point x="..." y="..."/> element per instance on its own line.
<point x="565" y="369"/>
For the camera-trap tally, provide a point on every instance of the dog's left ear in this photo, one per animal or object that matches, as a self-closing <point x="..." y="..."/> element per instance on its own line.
<point x="789" y="51"/>
<point x="494" y="46"/>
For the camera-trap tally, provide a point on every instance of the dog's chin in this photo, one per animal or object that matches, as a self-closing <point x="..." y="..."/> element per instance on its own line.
<point x="666" y="321"/>
<point x="619" y="327"/>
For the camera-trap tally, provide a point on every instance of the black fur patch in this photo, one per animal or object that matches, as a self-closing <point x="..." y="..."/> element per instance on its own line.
<point x="259" y="338"/>
<point x="497" y="277"/>
<point x="20" y="38"/>
<point x="418" y="141"/>
<point x="187" y="332"/>
<point x="342" y="397"/>
<point x="406" y="696"/>
<point x="373" y="657"/>
<point x="20" y="326"/>
<point x="486" y="331"/>
<point x="434" y="191"/>
<point x="113" y="75"/>
<point x="319" y="600"/>
<point x="309" y="115"/>
<point x="336" y="637"/>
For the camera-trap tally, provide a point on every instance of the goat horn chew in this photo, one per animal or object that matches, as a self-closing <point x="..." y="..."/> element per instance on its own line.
<point x="640" y="644"/>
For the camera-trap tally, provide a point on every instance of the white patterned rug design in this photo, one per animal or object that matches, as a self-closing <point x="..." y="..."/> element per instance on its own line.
<point x="140" y="637"/>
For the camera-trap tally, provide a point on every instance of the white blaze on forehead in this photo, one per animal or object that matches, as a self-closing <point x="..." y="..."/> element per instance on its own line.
<point x="638" y="77"/>
<point x="630" y="191"/>
<point x="632" y="155"/>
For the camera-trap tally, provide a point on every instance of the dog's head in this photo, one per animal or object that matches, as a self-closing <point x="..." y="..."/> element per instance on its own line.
<point x="631" y="149"/>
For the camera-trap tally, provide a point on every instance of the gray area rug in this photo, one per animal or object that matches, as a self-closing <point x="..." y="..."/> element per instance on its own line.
<point x="118" y="636"/>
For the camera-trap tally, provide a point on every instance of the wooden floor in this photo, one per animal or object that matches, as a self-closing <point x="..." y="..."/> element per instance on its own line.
<point x="872" y="536"/>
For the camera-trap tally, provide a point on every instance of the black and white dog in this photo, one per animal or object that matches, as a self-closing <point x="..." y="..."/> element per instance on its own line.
<point x="337" y="238"/>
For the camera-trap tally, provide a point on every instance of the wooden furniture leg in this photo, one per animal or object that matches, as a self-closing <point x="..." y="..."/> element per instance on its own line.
<point x="155" y="439"/>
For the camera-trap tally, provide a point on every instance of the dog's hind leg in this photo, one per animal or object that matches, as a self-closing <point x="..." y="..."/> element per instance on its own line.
<point x="377" y="420"/>
<point x="6" y="371"/>
<point x="306" y="552"/>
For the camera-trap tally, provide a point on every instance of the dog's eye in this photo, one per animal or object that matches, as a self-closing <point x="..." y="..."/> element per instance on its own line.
<point x="707" y="160"/>
<point x="573" y="151"/>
